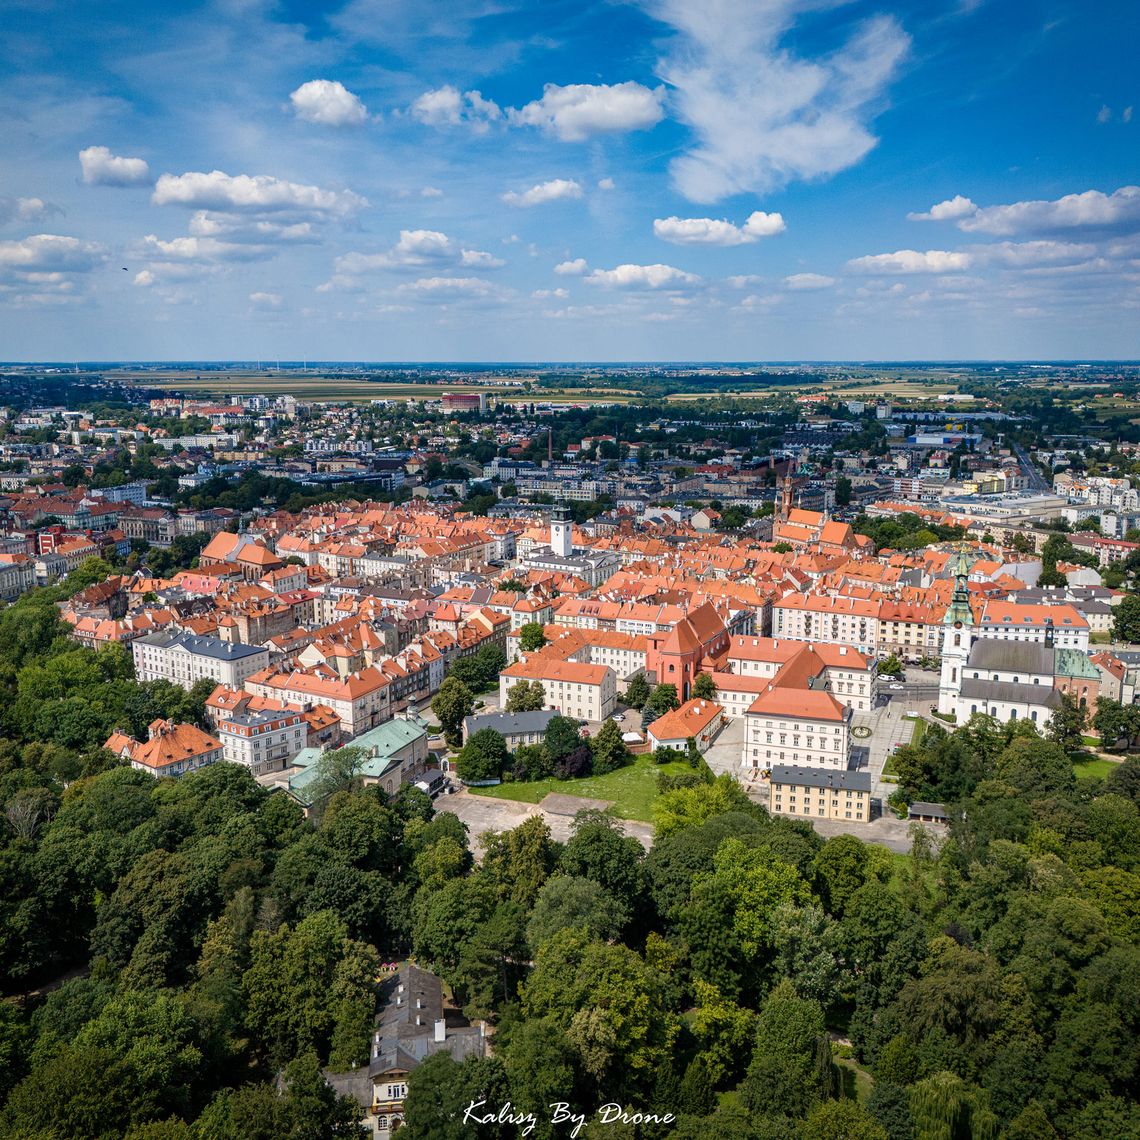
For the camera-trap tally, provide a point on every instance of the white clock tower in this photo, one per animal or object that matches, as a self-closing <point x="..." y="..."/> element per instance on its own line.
<point x="957" y="635"/>
<point x="561" y="533"/>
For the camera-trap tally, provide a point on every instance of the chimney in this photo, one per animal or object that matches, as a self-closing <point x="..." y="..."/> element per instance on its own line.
<point x="440" y="1029"/>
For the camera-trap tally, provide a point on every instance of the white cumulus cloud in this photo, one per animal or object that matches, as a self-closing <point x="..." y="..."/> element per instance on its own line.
<point x="417" y="249"/>
<point x="762" y="115"/>
<point x="911" y="261"/>
<point x="50" y="253"/>
<point x="102" y="168"/>
<point x="256" y="231"/>
<point x="202" y="249"/>
<point x="581" y="110"/>
<point x="448" y="107"/>
<point x="950" y="210"/>
<point x="555" y="190"/>
<point x="606" y="184"/>
<point x="644" y="277"/>
<point x="25" y="210"/>
<point x="1119" y="211"/>
<point x="1018" y="254"/>
<point x="712" y="231"/>
<point x="806" y="281"/>
<point x="573" y="268"/>
<point x="329" y="103"/>
<point x="245" y="193"/>
<point x="269" y="301"/>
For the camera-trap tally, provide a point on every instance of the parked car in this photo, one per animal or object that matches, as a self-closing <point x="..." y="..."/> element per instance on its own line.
<point x="896" y="688"/>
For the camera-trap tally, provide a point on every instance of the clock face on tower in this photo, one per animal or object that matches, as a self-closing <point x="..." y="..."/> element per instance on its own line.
<point x="957" y="625"/>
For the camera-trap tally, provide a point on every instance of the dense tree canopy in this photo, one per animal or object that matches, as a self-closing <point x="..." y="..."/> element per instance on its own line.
<point x="211" y="952"/>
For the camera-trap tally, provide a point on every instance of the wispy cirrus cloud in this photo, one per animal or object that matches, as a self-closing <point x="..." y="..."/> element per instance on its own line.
<point x="803" y="282"/>
<point x="761" y="115"/>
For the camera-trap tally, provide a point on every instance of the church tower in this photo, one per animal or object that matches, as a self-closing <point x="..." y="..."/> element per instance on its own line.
<point x="561" y="533"/>
<point x="957" y="634"/>
<point x="785" y="493"/>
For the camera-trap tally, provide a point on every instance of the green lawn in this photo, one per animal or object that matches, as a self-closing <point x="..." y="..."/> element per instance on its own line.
<point x="919" y="732"/>
<point x="632" y="789"/>
<point x="857" y="1081"/>
<point x="1086" y="768"/>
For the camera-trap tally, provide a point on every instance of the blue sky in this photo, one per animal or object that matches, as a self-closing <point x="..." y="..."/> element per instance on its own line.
<point x="492" y="180"/>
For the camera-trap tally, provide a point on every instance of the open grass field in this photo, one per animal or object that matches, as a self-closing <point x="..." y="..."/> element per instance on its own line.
<point x="882" y="389"/>
<point x="303" y="387"/>
<point x="1083" y="769"/>
<point x="340" y="388"/>
<point x="632" y="789"/>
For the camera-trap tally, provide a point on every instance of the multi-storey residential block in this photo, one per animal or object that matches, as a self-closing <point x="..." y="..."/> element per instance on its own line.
<point x="186" y="658"/>
<point x="263" y="741"/>
<point x="809" y="793"/>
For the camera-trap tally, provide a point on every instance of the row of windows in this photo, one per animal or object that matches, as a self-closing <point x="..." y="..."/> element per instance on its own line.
<point x="820" y="812"/>
<point x="1012" y="712"/>
<point x="808" y="794"/>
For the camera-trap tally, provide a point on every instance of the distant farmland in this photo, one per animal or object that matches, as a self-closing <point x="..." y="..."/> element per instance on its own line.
<point x="358" y="391"/>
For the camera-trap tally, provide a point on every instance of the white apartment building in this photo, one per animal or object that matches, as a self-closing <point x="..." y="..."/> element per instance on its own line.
<point x="186" y="658"/>
<point x="262" y="741"/>
<point x="17" y="574"/>
<point x="805" y="727"/>
<point x="361" y="700"/>
<point x="1062" y="625"/>
<point x="838" y="620"/>
<point x="585" y="692"/>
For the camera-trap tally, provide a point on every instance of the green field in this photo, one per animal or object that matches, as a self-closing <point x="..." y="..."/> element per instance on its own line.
<point x="1098" y="768"/>
<point x="314" y="386"/>
<point x="632" y="789"/>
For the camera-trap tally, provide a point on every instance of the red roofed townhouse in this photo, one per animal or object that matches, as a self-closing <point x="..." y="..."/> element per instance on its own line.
<point x="695" y="720"/>
<point x="585" y="692"/>
<point x="169" y="750"/>
<point x="360" y="700"/>
<point x="841" y="620"/>
<point x="838" y="669"/>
